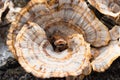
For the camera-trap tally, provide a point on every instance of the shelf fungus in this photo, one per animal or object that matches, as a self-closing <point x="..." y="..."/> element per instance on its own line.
<point x="36" y="54"/>
<point x="111" y="8"/>
<point x="107" y="54"/>
<point x="55" y="38"/>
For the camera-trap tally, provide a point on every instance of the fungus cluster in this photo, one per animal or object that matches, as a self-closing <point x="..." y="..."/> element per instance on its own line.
<point x="59" y="38"/>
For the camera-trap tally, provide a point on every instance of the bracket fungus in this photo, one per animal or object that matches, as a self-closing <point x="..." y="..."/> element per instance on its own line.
<point x="43" y="61"/>
<point x="55" y="38"/>
<point x="109" y="53"/>
<point x="111" y="8"/>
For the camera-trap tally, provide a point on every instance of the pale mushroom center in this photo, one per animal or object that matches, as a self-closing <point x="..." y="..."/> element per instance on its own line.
<point x="58" y="41"/>
<point x="58" y="33"/>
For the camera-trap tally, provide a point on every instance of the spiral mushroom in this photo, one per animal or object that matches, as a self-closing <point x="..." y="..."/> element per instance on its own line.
<point x="43" y="61"/>
<point x="55" y="38"/>
<point x="47" y="13"/>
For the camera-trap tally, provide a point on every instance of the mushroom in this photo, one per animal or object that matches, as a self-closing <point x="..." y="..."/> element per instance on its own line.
<point x="109" y="53"/>
<point x="111" y="8"/>
<point x="55" y="38"/>
<point x="43" y="61"/>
